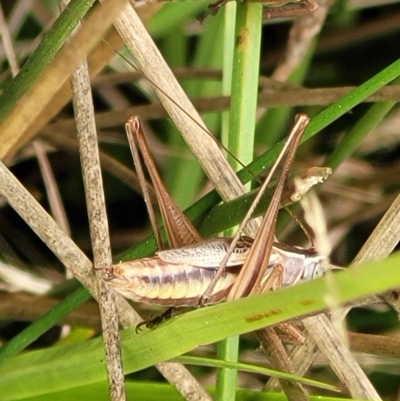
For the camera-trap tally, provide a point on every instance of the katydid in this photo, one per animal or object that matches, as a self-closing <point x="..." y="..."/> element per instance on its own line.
<point x="208" y="271"/>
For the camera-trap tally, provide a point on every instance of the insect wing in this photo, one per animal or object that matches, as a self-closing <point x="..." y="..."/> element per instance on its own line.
<point x="207" y="254"/>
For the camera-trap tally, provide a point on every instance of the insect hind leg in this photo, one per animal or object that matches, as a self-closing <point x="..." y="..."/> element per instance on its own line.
<point x="273" y="279"/>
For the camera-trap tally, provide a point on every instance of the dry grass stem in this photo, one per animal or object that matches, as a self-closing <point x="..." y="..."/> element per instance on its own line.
<point x="278" y="358"/>
<point x="53" y="194"/>
<point x="271" y="97"/>
<point x="46" y="228"/>
<point x="90" y="161"/>
<point x="384" y="238"/>
<point x="309" y="351"/>
<point x="340" y="359"/>
<point x="380" y="244"/>
<point x="98" y="58"/>
<point x="15" y="128"/>
<point x="375" y="344"/>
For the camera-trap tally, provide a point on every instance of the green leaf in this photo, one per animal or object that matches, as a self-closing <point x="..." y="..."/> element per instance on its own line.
<point x="51" y="370"/>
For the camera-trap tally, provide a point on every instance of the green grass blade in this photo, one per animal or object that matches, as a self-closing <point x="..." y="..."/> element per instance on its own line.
<point x="45" y="52"/>
<point x="240" y="141"/>
<point x="44" y="323"/>
<point x="245" y="80"/>
<point x="150" y="391"/>
<point x="203" y="361"/>
<point x="51" y="370"/>
<point x="172" y="16"/>
<point x="350" y="142"/>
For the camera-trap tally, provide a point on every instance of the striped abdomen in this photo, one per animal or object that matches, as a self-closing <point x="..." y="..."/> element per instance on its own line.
<point x="154" y="280"/>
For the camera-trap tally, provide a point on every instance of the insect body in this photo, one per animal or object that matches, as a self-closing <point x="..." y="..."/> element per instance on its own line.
<point x="179" y="277"/>
<point x="203" y="272"/>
